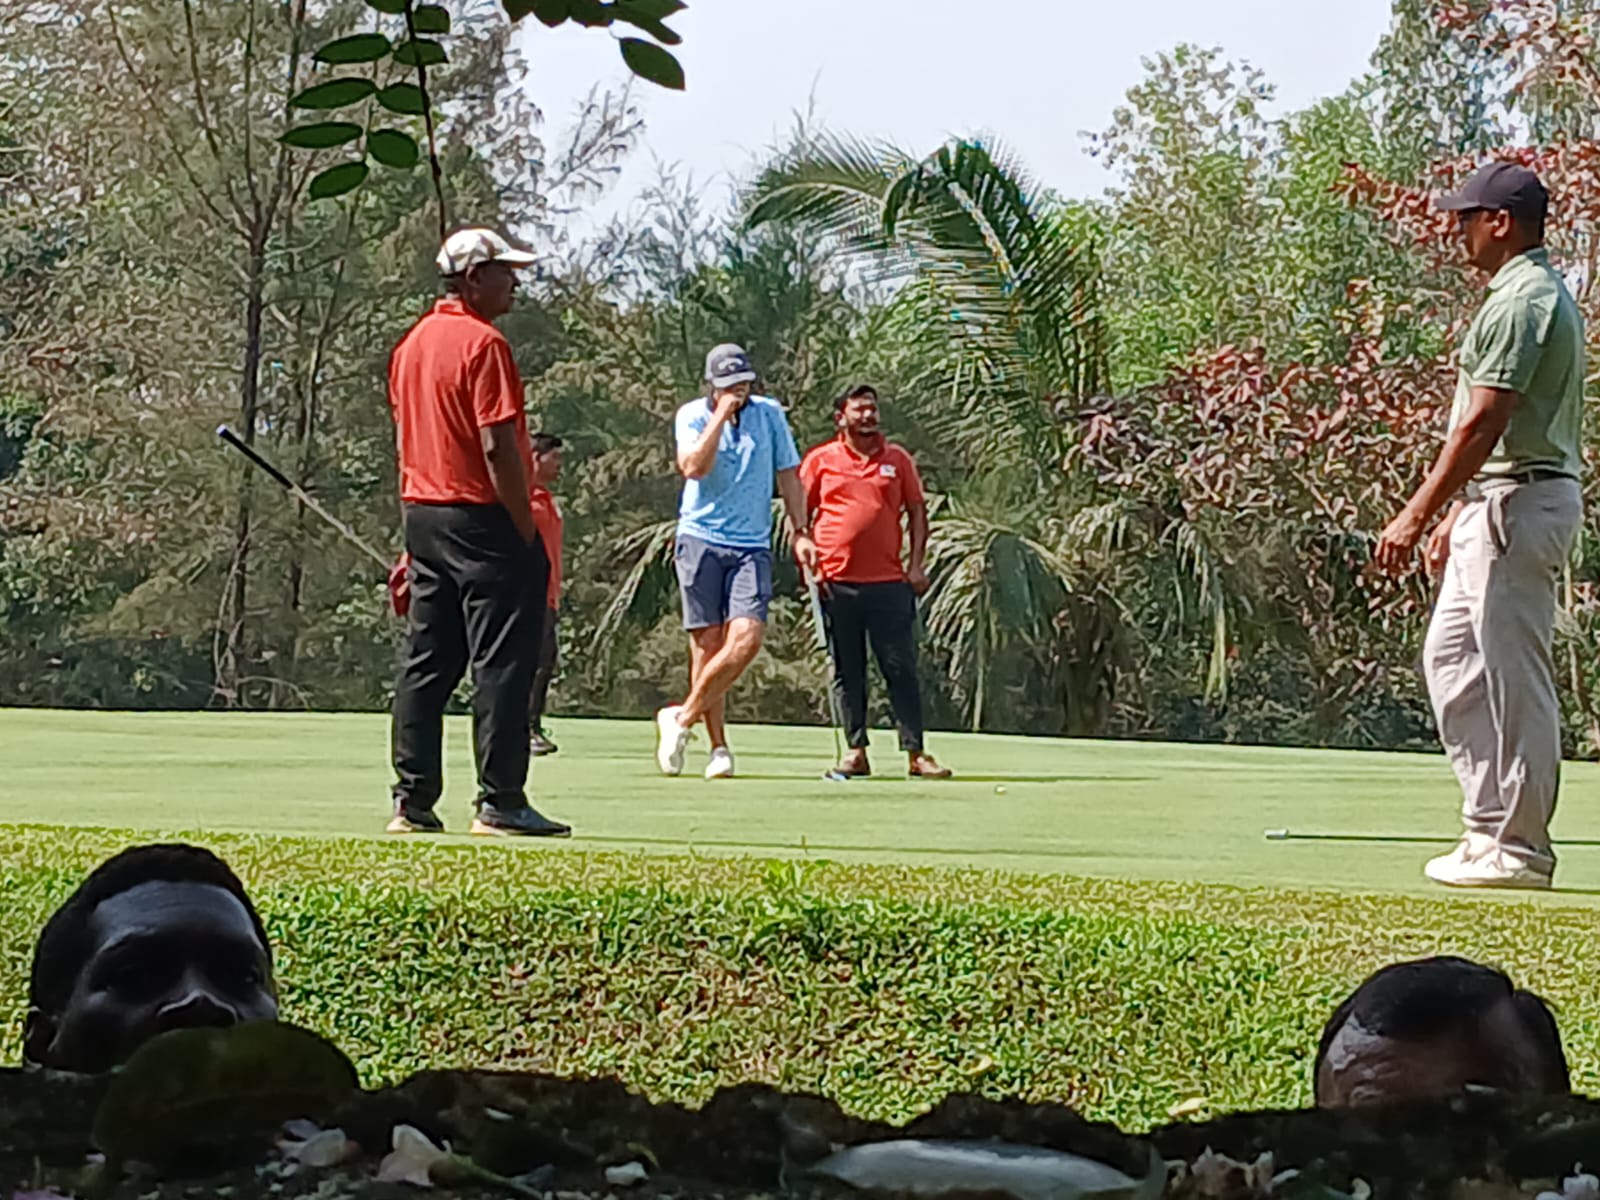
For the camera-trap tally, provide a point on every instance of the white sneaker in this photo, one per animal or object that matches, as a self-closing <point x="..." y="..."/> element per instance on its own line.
<point x="721" y="764"/>
<point x="1478" y="863"/>
<point x="671" y="740"/>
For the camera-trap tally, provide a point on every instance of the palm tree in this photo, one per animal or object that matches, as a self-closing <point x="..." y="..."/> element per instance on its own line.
<point x="997" y="280"/>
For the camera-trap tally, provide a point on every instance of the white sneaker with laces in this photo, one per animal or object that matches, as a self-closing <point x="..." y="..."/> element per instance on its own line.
<point x="721" y="764"/>
<point x="671" y="740"/>
<point x="1478" y="863"/>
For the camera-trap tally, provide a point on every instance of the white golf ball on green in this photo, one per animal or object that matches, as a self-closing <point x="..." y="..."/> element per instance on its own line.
<point x="999" y="791"/>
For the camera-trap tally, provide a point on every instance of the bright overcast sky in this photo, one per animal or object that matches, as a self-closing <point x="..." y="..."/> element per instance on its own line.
<point x="1036" y="74"/>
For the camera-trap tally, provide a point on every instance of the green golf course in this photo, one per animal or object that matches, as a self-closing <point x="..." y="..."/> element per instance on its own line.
<point x="1124" y="810"/>
<point x="1099" y="923"/>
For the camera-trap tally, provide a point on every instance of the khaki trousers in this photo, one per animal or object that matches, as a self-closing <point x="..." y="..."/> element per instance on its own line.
<point x="1488" y="660"/>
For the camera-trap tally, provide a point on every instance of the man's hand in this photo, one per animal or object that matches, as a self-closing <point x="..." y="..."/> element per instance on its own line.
<point x="917" y="577"/>
<point x="1398" y="543"/>
<point x="805" y="550"/>
<point x="728" y="403"/>
<point x="1438" y="552"/>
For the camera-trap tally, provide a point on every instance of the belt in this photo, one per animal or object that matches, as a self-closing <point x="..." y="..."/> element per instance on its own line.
<point x="1476" y="488"/>
<point x="1535" y="475"/>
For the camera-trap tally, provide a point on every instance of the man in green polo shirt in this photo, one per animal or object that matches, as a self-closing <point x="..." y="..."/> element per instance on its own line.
<point x="1511" y="464"/>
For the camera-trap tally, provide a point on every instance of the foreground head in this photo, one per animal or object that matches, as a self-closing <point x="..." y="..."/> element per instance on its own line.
<point x="728" y="369"/>
<point x="1431" y="1028"/>
<point x="1502" y="211"/>
<point x="156" y="938"/>
<point x="856" y="412"/>
<point x="546" y="458"/>
<point x="481" y="267"/>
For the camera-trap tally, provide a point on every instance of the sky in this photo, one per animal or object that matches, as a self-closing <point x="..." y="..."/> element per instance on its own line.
<point x="1036" y="74"/>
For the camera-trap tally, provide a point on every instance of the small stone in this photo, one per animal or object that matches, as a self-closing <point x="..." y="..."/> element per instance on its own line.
<point x="627" y="1175"/>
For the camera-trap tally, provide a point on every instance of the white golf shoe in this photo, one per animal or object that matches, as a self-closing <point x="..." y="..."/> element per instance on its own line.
<point x="671" y="740"/>
<point x="1477" y="862"/>
<point x="721" y="764"/>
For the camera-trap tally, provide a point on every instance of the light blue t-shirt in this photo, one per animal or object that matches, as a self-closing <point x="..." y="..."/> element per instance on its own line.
<point x="732" y="505"/>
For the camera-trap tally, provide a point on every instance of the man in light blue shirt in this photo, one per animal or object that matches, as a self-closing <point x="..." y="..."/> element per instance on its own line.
<point x="733" y="449"/>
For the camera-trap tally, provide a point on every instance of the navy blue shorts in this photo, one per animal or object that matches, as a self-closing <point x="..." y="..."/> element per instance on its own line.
<point x="720" y="583"/>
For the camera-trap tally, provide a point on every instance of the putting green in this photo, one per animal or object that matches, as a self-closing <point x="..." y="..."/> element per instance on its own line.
<point x="1140" y="811"/>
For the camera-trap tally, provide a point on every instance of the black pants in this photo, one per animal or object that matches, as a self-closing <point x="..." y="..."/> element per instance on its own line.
<point x="885" y="614"/>
<point x="544" y="672"/>
<point x="477" y="598"/>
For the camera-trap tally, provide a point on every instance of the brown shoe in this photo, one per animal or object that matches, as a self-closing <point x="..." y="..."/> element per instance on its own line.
<point x="923" y="766"/>
<point x="855" y="765"/>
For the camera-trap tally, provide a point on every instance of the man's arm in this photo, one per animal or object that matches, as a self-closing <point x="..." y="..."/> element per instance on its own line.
<point x="696" y="460"/>
<point x="917" y="529"/>
<point x="794" y="504"/>
<point x="509" y="475"/>
<point x="1469" y="446"/>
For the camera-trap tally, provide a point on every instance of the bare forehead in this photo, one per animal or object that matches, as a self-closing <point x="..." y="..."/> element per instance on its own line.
<point x="162" y="905"/>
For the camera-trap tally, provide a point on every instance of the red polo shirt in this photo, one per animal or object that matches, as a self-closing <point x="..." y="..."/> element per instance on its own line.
<point x="857" y="502"/>
<point x="547" y="516"/>
<point x="450" y="377"/>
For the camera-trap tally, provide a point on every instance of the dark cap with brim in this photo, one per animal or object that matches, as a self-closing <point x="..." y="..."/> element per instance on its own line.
<point x="728" y="365"/>
<point x="1499" y="187"/>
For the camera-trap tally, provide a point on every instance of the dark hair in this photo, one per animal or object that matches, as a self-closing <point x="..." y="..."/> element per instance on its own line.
<point x="1414" y="1001"/>
<point x="64" y="944"/>
<point x="543" y="443"/>
<point x="859" y="392"/>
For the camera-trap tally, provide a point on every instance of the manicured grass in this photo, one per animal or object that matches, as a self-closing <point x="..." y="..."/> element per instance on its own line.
<point x="893" y="941"/>
<point x="1118" y="810"/>
<point x="886" y="987"/>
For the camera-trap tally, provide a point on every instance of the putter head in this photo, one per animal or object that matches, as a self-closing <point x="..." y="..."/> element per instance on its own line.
<point x="834" y="775"/>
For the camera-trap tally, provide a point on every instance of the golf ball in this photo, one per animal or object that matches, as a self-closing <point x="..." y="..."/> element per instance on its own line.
<point x="999" y="791"/>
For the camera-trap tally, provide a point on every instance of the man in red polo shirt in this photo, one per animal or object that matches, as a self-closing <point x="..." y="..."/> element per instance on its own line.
<point x="479" y="569"/>
<point x="857" y="486"/>
<point x="547" y="516"/>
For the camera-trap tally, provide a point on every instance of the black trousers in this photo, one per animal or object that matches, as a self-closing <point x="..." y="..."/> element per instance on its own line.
<point x="886" y="615"/>
<point x="544" y="671"/>
<point x="477" y="599"/>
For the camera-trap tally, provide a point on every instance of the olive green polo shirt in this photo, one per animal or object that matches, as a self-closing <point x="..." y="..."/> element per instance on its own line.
<point x="1528" y="338"/>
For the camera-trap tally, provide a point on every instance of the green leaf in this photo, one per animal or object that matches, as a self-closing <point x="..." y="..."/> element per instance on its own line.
<point x="548" y="12"/>
<point x="403" y="98"/>
<point x="336" y="181"/>
<point x="591" y="14"/>
<point x="648" y="10"/>
<point x="193" y="1093"/>
<point x="393" y="148"/>
<point x="430" y="18"/>
<point x="424" y="52"/>
<point x="393" y="7"/>
<point x="321" y="135"/>
<point x="649" y="61"/>
<point x="358" y="48"/>
<point x="336" y="93"/>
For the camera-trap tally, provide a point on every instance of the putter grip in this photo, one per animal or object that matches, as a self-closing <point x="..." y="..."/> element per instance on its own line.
<point x="249" y="452"/>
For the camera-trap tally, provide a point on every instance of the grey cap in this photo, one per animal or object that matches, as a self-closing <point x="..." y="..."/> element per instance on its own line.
<point x="1499" y="187"/>
<point x="727" y="365"/>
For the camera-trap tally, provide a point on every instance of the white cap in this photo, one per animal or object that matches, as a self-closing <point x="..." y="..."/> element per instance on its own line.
<point x="467" y="248"/>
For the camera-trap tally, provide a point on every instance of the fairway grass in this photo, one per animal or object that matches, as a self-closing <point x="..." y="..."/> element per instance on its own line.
<point x="1096" y="923"/>
<point x="1122" y="810"/>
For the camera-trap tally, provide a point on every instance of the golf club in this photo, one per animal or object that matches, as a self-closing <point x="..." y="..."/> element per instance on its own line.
<point x="1287" y="835"/>
<point x="833" y="774"/>
<point x="299" y="493"/>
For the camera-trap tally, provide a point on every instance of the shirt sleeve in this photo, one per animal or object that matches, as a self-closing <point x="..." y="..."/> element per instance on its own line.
<point x="687" y="427"/>
<point x="496" y="387"/>
<point x="785" y="457"/>
<point x="1509" y="343"/>
<point x="911" y="482"/>
<point x="811" y="480"/>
